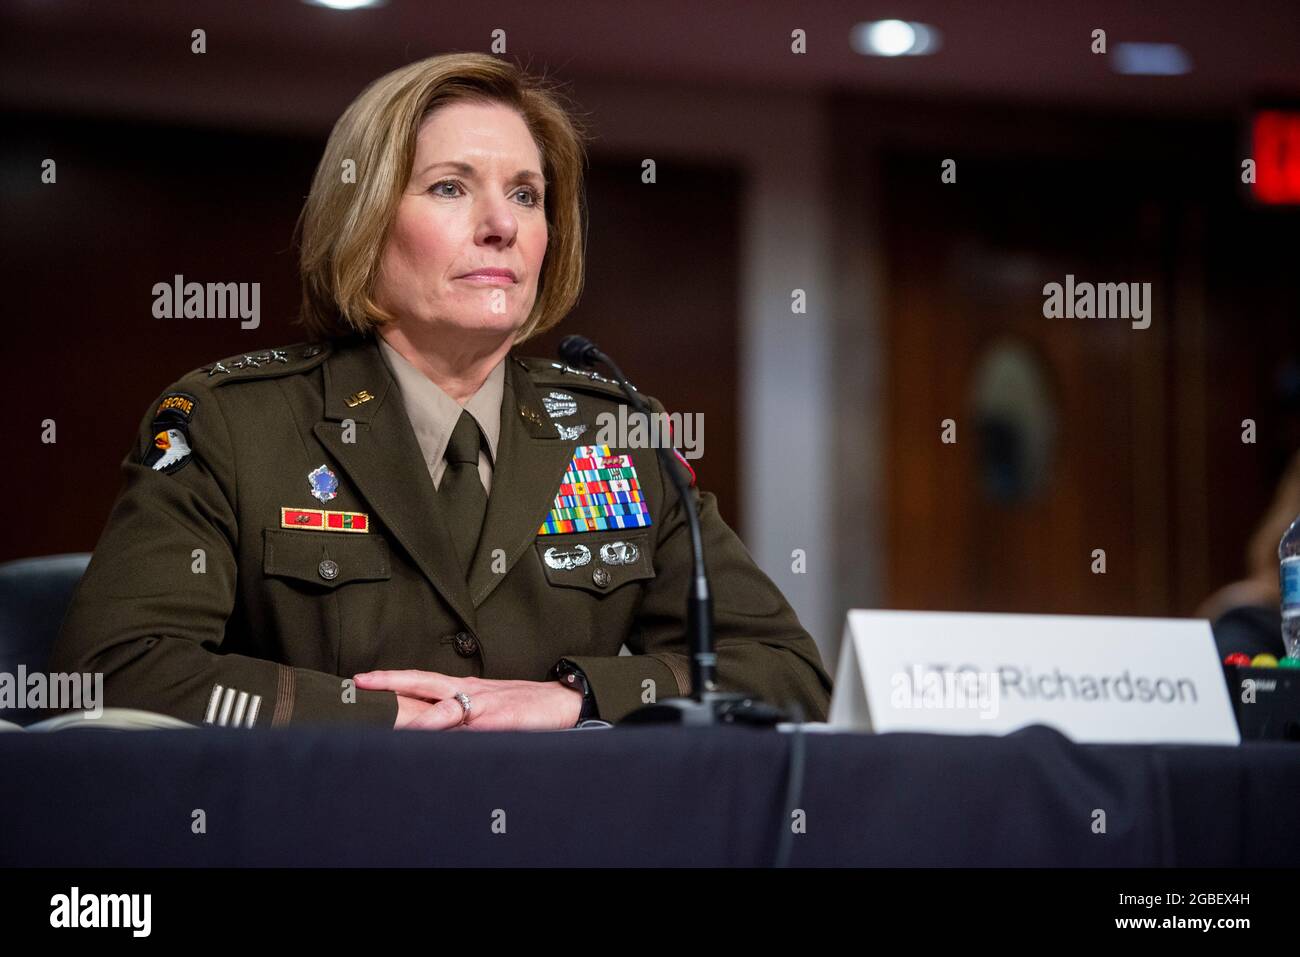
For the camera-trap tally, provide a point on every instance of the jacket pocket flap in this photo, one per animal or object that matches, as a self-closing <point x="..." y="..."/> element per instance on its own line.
<point x="327" y="559"/>
<point x="596" y="562"/>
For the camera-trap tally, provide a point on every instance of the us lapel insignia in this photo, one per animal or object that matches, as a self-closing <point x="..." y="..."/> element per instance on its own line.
<point x="323" y="520"/>
<point x="599" y="491"/>
<point x="324" y="483"/>
<point x="356" y="398"/>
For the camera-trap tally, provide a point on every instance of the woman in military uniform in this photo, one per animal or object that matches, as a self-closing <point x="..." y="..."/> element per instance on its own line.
<point x="401" y="521"/>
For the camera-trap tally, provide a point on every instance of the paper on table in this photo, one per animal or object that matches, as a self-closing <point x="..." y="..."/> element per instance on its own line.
<point x="111" y="719"/>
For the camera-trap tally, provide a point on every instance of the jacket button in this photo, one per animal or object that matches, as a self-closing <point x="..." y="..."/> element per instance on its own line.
<point x="466" y="644"/>
<point x="601" y="578"/>
<point x="328" y="570"/>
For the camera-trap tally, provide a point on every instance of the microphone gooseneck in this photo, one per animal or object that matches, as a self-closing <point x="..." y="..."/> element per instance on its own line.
<point x="582" y="353"/>
<point x="706" y="705"/>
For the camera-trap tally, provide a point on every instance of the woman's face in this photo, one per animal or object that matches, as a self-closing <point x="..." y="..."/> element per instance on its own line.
<point x="474" y="201"/>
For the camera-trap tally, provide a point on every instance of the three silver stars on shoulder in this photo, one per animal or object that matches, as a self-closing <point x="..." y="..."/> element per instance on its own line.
<point x="594" y="376"/>
<point x="250" y="361"/>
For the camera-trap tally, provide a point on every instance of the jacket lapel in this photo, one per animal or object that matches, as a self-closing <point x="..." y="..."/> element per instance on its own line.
<point x="387" y="467"/>
<point x="531" y="460"/>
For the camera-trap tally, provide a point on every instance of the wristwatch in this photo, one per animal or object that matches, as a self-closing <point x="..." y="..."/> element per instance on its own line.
<point x="574" y="677"/>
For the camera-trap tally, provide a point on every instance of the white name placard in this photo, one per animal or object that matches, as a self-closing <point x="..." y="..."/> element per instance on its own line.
<point x="1095" y="679"/>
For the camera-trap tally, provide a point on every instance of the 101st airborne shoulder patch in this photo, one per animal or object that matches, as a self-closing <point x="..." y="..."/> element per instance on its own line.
<point x="599" y="491"/>
<point x="171" y="447"/>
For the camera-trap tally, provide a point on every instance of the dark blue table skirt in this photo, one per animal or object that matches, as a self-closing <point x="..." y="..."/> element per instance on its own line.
<point x="636" y="796"/>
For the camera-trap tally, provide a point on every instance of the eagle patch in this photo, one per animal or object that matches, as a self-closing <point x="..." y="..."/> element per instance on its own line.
<point x="170" y="447"/>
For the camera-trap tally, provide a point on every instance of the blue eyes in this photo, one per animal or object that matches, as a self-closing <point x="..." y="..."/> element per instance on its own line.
<point x="434" y="189"/>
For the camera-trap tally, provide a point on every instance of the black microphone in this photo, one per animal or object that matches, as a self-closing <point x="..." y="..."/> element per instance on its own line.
<point x="706" y="705"/>
<point x="579" y="351"/>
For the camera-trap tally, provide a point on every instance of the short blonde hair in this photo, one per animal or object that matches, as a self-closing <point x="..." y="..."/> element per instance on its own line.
<point x="343" y="225"/>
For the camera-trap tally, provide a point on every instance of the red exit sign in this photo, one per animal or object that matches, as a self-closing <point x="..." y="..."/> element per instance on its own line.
<point x="1275" y="143"/>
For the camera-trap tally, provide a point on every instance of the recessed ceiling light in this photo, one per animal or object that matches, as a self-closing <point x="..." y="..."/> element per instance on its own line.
<point x="1150" y="59"/>
<point x="345" y="4"/>
<point x="894" y="38"/>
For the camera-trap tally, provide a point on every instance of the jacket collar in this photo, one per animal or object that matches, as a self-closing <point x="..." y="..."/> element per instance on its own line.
<point x="434" y="414"/>
<point x="386" y="465"/>
<point x="531" y="461"/>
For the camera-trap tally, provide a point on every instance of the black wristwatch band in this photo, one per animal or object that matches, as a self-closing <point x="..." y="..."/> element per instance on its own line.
<point x="573" y="676"/>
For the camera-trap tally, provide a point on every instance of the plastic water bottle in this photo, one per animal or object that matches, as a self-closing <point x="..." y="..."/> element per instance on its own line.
<point x="1288" y="553"/>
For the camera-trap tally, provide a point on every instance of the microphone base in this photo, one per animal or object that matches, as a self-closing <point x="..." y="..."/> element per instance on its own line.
<point x="715" y="708"/>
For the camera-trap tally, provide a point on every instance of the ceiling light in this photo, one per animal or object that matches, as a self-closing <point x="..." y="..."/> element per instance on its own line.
<point x="345" y="4"/>
<point x="894" y="38"/>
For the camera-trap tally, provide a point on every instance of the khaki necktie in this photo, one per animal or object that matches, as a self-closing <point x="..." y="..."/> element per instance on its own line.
<point x="461" y="491"/>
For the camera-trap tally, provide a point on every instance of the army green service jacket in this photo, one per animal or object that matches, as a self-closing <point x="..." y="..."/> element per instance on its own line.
<point x="238" y="583"/>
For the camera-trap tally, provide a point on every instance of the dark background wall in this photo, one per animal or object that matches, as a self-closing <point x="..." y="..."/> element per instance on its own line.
<point x="136" y="203"/>
<point x="1148" y="461"/>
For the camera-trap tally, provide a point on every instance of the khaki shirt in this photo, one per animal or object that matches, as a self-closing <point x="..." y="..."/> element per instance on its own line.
<point x="278" y="533"/>
<point x="434" y="414"/>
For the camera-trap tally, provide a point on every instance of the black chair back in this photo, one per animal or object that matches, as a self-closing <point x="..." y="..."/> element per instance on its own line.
<point x="34" y="596"/>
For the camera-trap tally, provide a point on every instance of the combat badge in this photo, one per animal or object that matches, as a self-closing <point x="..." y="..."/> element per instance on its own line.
<point x="171" y="433"/>
<point x="560" y="405"/>
<point x="566" y="559"/>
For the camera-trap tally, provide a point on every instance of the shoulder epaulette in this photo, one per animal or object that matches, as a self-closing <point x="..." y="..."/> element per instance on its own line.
<point x="550" y="372"/>
<point x="265" y="364"/>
